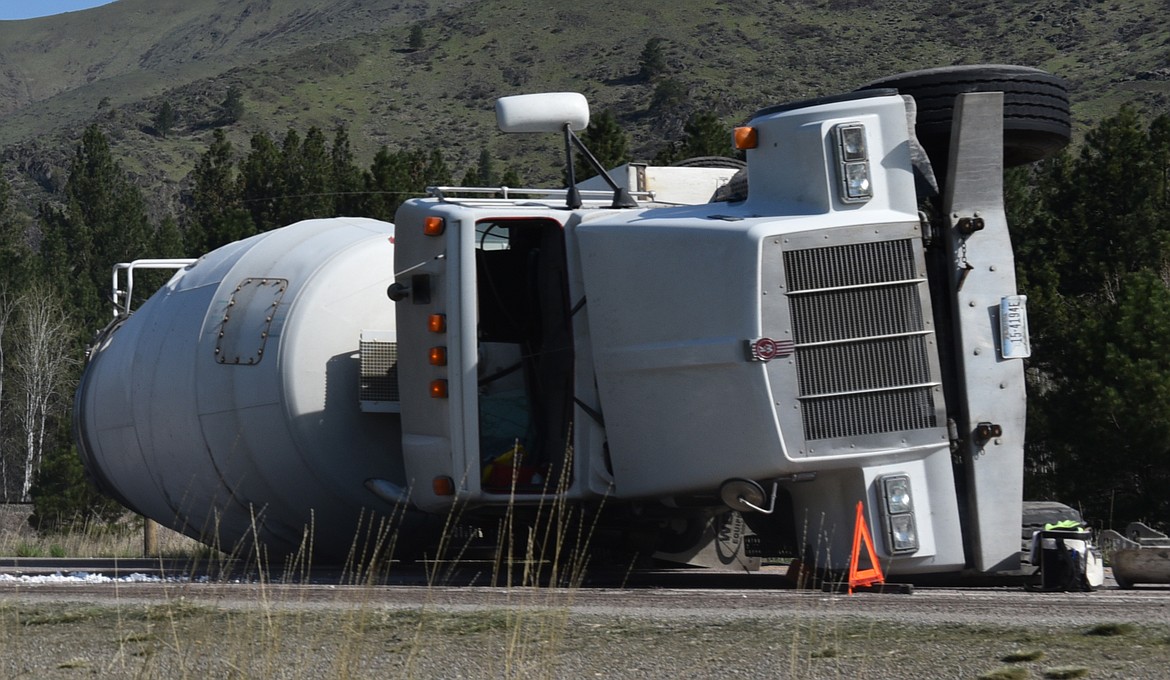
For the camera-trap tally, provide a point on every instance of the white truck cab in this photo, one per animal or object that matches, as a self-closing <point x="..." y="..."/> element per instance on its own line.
<point x="776" y="350"/>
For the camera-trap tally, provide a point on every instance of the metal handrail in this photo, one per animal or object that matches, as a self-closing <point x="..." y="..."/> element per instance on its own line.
<point x="441" y="192"/>
<point x="122" y="298"/>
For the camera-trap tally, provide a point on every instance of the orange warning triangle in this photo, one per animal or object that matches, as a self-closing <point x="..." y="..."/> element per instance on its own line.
<point x="860" y="578"/>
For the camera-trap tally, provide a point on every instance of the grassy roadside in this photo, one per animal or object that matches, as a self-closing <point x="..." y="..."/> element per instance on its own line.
<point x="264" y="630"/>
<point x="186" y="638"/>
<point x="123" y="540"/>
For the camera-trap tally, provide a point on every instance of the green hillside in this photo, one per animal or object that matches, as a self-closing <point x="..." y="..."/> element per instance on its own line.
<point x="313" y="62"/>
<point x="134" y="48"/>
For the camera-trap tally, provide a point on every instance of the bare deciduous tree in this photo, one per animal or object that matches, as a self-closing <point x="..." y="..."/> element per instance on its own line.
<point x="7" y="304"/>
<point x="41" y="368"/>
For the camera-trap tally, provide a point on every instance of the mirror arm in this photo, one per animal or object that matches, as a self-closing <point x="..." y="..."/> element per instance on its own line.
<point x="573" y="195"/>
<point x="621" y="197"/>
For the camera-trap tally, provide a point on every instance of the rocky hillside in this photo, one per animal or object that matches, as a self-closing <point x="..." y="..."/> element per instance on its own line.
<point x="350" y="62"/>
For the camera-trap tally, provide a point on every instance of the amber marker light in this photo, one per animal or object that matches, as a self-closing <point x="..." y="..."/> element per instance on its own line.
<point x="443" y="486"/>
<point x="438" y="356"/>
<point x="746" y="138"/>
<point x="434" y="226"/>
<point x="439" y="389"/>
<point x="437" y="323"/>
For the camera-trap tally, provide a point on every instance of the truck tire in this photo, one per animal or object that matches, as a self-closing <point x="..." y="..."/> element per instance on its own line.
<point x="1036" y="122"/>
<point x="1036" y="515"/>
<point x="709" y="162"/>
<point x="734" y="190"/>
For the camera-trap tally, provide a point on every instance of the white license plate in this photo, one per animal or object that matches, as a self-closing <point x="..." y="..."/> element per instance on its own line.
<point x="1013" y="327"/>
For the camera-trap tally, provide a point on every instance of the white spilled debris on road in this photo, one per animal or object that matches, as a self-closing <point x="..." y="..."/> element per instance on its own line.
<point x="86" y="577"/>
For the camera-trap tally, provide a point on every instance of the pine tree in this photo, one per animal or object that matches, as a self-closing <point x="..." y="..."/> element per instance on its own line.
<point x="164" y="119"/>
<point x="668" y="93"/>
<point x="1112" y="197"/>
<point x="485" y="169"/>
<point x="168" y="240"/>
<point x="259" y="182"/>
<point x="437" y="172"/>
<point x="213" y="213"/>
<point x="231" y="109"/>
<point x="703" y="135"/>
<point x="387" y="183"/>
<point x="512" y="180"/>
<point x="608" y="142"/>
<point x="652" y="60"/>
<point x="1110" y="411"/>
<point x="345" y="177"/>
<point x="102" y="223"/>
<point x="13" y="259"/>
<point x="1093" y="253"/>
<point x="706" y="136"/>
<point x="14" y="250"/>
<point x="417" y="162"/>
<point x="417" y="40"/>
<point x="64" y="498"/>
<point x="1160" y="152"/>
<point x="305" y="178"/>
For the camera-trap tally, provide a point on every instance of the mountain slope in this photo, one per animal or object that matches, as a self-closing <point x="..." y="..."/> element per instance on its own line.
<point x="345" y="63"/>
<point x="129" y="49"/>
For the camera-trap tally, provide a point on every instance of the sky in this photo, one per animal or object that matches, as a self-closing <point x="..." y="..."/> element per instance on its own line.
<point x="28" y="9"/>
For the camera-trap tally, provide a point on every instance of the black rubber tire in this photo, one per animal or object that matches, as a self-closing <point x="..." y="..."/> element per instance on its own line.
<point x="1036" y="121"/>
<point x="709" y="162"/>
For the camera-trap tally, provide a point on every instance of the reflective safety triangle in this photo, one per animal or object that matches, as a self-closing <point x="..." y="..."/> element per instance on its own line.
<point x="861" y="578"/>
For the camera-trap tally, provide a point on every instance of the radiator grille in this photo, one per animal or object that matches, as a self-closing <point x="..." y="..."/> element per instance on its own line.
<point x="871" y="413"/>
<point x="379" y="379"/>
<point x="874" y="365"/>
<point x="850" y="265"/>
<point x="862" y="342"/>
<point x="855" y="313"/>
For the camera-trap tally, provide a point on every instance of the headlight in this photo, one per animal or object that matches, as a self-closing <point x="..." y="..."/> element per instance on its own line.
<point x="897" y="491"/>
<point x="903" y="534"/>
<point x="851" y="139"/>
<point x="898" y="514"/>
<point x="853" y="163"/>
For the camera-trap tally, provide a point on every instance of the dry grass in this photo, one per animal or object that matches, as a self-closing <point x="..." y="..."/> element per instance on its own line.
<point x="271" y="636"/>
<point x="523" y="629"/>
<point x="122" y="540"/>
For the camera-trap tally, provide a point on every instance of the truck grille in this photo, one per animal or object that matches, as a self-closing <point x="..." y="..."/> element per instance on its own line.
<point x="862" y="341"/>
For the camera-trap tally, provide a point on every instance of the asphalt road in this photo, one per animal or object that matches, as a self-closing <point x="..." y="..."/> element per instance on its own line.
<point x="654" y="595"/>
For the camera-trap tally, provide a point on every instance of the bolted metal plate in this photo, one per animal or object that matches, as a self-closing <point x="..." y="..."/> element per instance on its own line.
<point x="247" y="321"/>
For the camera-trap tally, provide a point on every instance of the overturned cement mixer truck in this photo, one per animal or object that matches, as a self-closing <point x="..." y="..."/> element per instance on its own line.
<point x="709" y="363"/>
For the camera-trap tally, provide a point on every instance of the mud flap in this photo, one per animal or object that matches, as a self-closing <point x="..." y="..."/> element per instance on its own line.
<point x="724" y="542"/>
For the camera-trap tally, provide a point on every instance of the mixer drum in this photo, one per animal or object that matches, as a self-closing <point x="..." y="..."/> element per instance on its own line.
<point x="227" y="407"/>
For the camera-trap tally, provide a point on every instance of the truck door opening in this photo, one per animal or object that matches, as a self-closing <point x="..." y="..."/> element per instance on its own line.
<point x="525" y="363"/>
